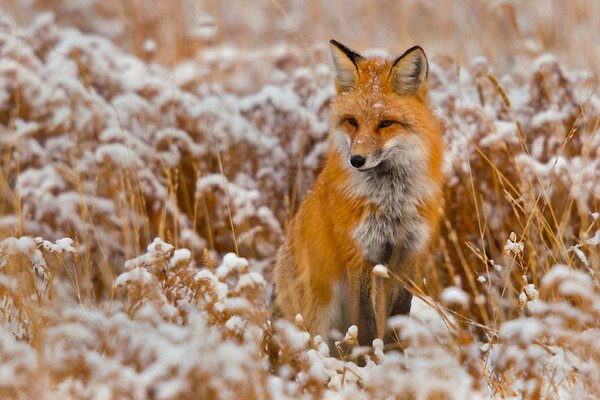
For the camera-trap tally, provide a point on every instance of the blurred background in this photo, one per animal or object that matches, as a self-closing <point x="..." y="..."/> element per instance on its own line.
<point x="501" y="30"/>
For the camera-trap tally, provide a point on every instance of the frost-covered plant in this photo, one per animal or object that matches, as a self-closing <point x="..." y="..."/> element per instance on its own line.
<point x="175" y="329"/>
<point x="112" y="151"/>
<point x="554" y="347"/>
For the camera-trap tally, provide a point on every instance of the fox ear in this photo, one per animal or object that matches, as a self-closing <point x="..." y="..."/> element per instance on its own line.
<point x="346" y="69"/>
<point x="409" y="73"/>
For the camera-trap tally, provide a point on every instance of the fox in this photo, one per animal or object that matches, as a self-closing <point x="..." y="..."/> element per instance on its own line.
<point x="377" y="200"/>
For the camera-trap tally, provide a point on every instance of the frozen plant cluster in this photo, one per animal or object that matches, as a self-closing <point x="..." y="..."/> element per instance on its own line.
<point x="175" y="329"/>
<point x="172" y="331"/>
<point x="101" y="142"/>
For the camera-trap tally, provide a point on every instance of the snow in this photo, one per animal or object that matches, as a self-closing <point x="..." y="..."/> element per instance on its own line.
<point x="529" y="294"/>
<point x="568" y="282"/>
<point x="544" y="60"/>
<point x="17" y="361"/>
<point x="455" y="296"/>
<point x="526" y="329"/>
<point x="23" y="245"/>
<point x="64" y="245"/>
<point x="293" y="338"/>
<point x="250" y="280"/>
<point x="513" y="246"/>
<point x="180" y="256"/>
<point x="505" y="132"/>
<point x="149" y="46"/>
<point x="231" y="263"/>
<point x="160" y="343"/>
<point x="114" y="153"/>
<point x="532" y="292"/>
<point x="580" y="254"/>
<point x="434" y="318"/>
<point x="137" y="275"/>
<point x="235" y="324"/>
<point x="352" y="331"/>
<point x="547" y="117"/>
<point x="594" y="240"/>
<point x="381" y="271"/>
<point x="159" y="247"/>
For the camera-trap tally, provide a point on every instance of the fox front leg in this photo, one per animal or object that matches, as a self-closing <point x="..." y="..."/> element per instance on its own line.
<point x="404" y="268"/>
<point x="362" y="312"/>
<point x="400" y="301"/>
<point x="391" y="297"/>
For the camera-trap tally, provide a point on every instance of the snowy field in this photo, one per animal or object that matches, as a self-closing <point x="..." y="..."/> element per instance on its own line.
<point x="153" y="153"/>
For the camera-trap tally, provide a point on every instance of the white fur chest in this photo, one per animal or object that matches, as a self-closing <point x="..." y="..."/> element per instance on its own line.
<point x="397" y="191"/>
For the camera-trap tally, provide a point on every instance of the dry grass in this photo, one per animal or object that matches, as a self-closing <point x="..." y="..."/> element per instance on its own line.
<point x="214" y="154"/>
<point x="502" y="31"/>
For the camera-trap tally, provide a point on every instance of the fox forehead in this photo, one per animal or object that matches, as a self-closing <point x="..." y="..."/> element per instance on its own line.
<point x="374" y="75"/>
<point x="373" y="97"/>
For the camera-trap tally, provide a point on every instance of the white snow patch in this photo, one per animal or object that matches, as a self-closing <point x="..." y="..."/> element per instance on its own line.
<point x="455" y="296"/>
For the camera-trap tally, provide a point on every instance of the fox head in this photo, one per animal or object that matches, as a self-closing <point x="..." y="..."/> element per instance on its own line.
<point x="380" y="114"/>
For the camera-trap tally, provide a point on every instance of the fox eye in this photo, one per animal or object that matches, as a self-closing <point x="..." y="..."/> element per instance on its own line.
<point x="386" y="123"/>
<point x="352" y="122"/>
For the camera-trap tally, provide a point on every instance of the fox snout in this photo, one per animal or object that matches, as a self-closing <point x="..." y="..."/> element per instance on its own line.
<point x="365" y="161"/>
<point x="357" y="161"/>
<point x="363" y="156"/>
<point x="363" y="153"/>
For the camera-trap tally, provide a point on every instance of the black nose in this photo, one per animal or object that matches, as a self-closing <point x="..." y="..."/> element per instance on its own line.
<point x="357" y="161"/>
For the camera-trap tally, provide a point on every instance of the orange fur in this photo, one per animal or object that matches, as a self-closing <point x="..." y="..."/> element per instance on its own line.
<point x="320" y="252"/>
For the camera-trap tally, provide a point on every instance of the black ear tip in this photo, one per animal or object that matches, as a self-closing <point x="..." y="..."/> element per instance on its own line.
<point x="336" y="44"/>
<point x="352" y="55"/>
<point x="415" y="48"/>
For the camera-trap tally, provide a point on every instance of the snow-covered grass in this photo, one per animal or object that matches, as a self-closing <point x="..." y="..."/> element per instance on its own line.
<point x="130" y="191"/>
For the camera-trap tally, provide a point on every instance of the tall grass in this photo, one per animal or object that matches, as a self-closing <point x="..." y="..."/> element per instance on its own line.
<point x="215" y="152"/>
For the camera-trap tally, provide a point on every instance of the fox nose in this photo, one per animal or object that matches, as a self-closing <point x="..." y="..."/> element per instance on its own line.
<point x="357" y="161"/>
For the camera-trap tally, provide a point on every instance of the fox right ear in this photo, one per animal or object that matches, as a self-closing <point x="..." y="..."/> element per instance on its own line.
<point x="346" y="68"/>
<point x="409" y="73"/>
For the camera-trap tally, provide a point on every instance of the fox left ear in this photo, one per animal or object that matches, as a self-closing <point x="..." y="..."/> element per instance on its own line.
<point x="409" y="73"/>
<point x="346" y="68"/>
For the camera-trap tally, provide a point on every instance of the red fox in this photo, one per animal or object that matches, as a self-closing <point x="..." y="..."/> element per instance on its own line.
<point x="377" y="200"/>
